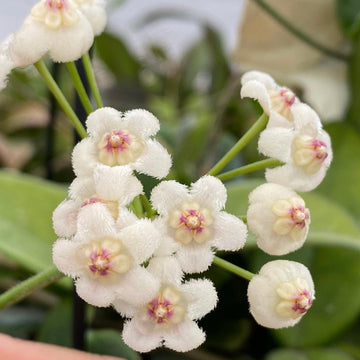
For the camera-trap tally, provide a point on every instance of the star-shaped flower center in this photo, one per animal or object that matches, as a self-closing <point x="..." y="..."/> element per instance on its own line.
<point x="166" y="308"/>
<point x="309" y="153"/>
<point x="292" y="217"/>
<point x="119" y="147"/>
<point x="55" y="13"/>
<point x="191" y="223"/>
<point x="294" y="298"/>
<point x="105" y="258"/>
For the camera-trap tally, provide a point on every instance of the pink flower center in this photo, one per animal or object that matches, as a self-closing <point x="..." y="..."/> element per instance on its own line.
<point x="117" y="140"/>
<point x="56" y="4"/>
<point x="160" y="309"/>
<point x="320" y="149"/>
<point x="299" y="216"/>
<point x="287" y="97"/>
<point x="302" y="302"/>
<point x="193" y="220"/>
<point x="100" y="262"/>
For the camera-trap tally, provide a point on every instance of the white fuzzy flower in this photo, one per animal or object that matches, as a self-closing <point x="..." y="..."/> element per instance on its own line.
<point x="105" y="261"/>
<point x="279" y="219"/>
<point x="117" y="139"/>
<point x="6" y="62"/>
<point x="193" y="220"/>
<point x="276" y="101"/>
<point x="280" y="294"/>
<point x="56" y="27"/>
<point x="94" y="10"/>
<point x="113" y="187"/>
<point x="169" y="318"/>
<point x="305" y="150"/>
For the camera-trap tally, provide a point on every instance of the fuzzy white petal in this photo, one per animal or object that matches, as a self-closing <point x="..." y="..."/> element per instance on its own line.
<point x="261" y="219"/>
<point x="84" y="158"/>
<point x="96" y="14"/>
<point x="166" y="268"/>
<point x="276" y="142"/>
<point x="230" y="232"/>
<point x="168" y="195"/>
<point x="141" y="123"/>
<point x="262" y="77"/>
<point x="304" y="116"/>
<point x="137" y="287"/>
<point x="195" y="258"/>
<point x="64" y="257"/>
<point x="184" y="337"/>
<point x="103" y="120"/>
<point x="82" y="188"/>
<point x="141" y="239"/>
<point x="95" y="222"/>
<point x="262" y="295"/>
<point x="210" y="192"/>
<point x="65" y="217"/>
<point x="257" y="90"/>
<point x="139" y="341"/>
<point x="124" y="308"/>
<point x="201" y="297"/>
<point x="116" y="183"/>
<point x="125" y="218"/>
<point x="94" y="292"/>
<point x="155" y="161"/>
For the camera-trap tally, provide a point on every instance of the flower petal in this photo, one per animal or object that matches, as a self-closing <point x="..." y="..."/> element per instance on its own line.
<point x="65" y="218"/>
<point x="195" y="258"/>
<point x="257" y="90"/>
<point x="155" y="161"/>
<point x="141" y="123"/>
<point x="64" y="257"/>
<point x="201" y="297"/>
<point x="166" y="268"/>
<point x="184" y="337"/>
<point x="230" y="232"/>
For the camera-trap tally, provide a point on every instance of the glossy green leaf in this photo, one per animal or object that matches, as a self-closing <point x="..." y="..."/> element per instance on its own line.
<point x="26" y="207"/>
<point x="343" y="178"/>
<point x="57" y="326"/>
<point x="348" y="12"/>
<point x="117" y="57"/>
<point x="109" y="342"/>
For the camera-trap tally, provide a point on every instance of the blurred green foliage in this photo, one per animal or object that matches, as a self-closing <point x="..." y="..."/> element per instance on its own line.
<point x="197" y="102"/>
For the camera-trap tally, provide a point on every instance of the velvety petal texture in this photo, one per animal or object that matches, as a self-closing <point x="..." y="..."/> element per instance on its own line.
<point x="280" y="294"/>
<point x="279" y="219"/>
<point x="194" y="220"/>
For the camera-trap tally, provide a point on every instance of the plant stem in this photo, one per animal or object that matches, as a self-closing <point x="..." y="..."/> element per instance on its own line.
<point x="150" y="212"/>
<point x="92" y="80"/>
<point x="233" y="268"/>
<point x="258" y="165"/>
<point x="300" y="34"/>
<point x="79" y="86"/>
<point x="243" y="141"/>
<point x="29" y="286"/>
<point x="59" y="96"/>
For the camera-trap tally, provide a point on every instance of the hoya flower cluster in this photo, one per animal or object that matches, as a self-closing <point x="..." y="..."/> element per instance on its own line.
<point x="131" y="262"/>
<point x="277" y="215"/>
<point x="64" y="29"/>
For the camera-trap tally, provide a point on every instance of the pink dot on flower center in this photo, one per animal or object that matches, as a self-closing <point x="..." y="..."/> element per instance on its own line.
<point x="56" y="4"/>
<point x="302" y="302"/>
<point x="320" y="149"/>
<point x="192" y="219"/>
<point x="100" y="262"/>
<point x="287" y="96"/>
<point x="90" y="201"/>
<point x="160" y="310"/>
<point x="117" y="140"/>
<point x="299" y="215"/>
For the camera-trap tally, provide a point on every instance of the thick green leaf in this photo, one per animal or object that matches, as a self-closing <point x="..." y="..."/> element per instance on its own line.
<point x="109" y="342"/>
<point x="313" y="354"/>
<point x="26" y="207"/>
<point x="117" y="57"/>
<point x="57" y="327"/>
<point x="343" y="177"/>
<point x="348" y="12"/>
